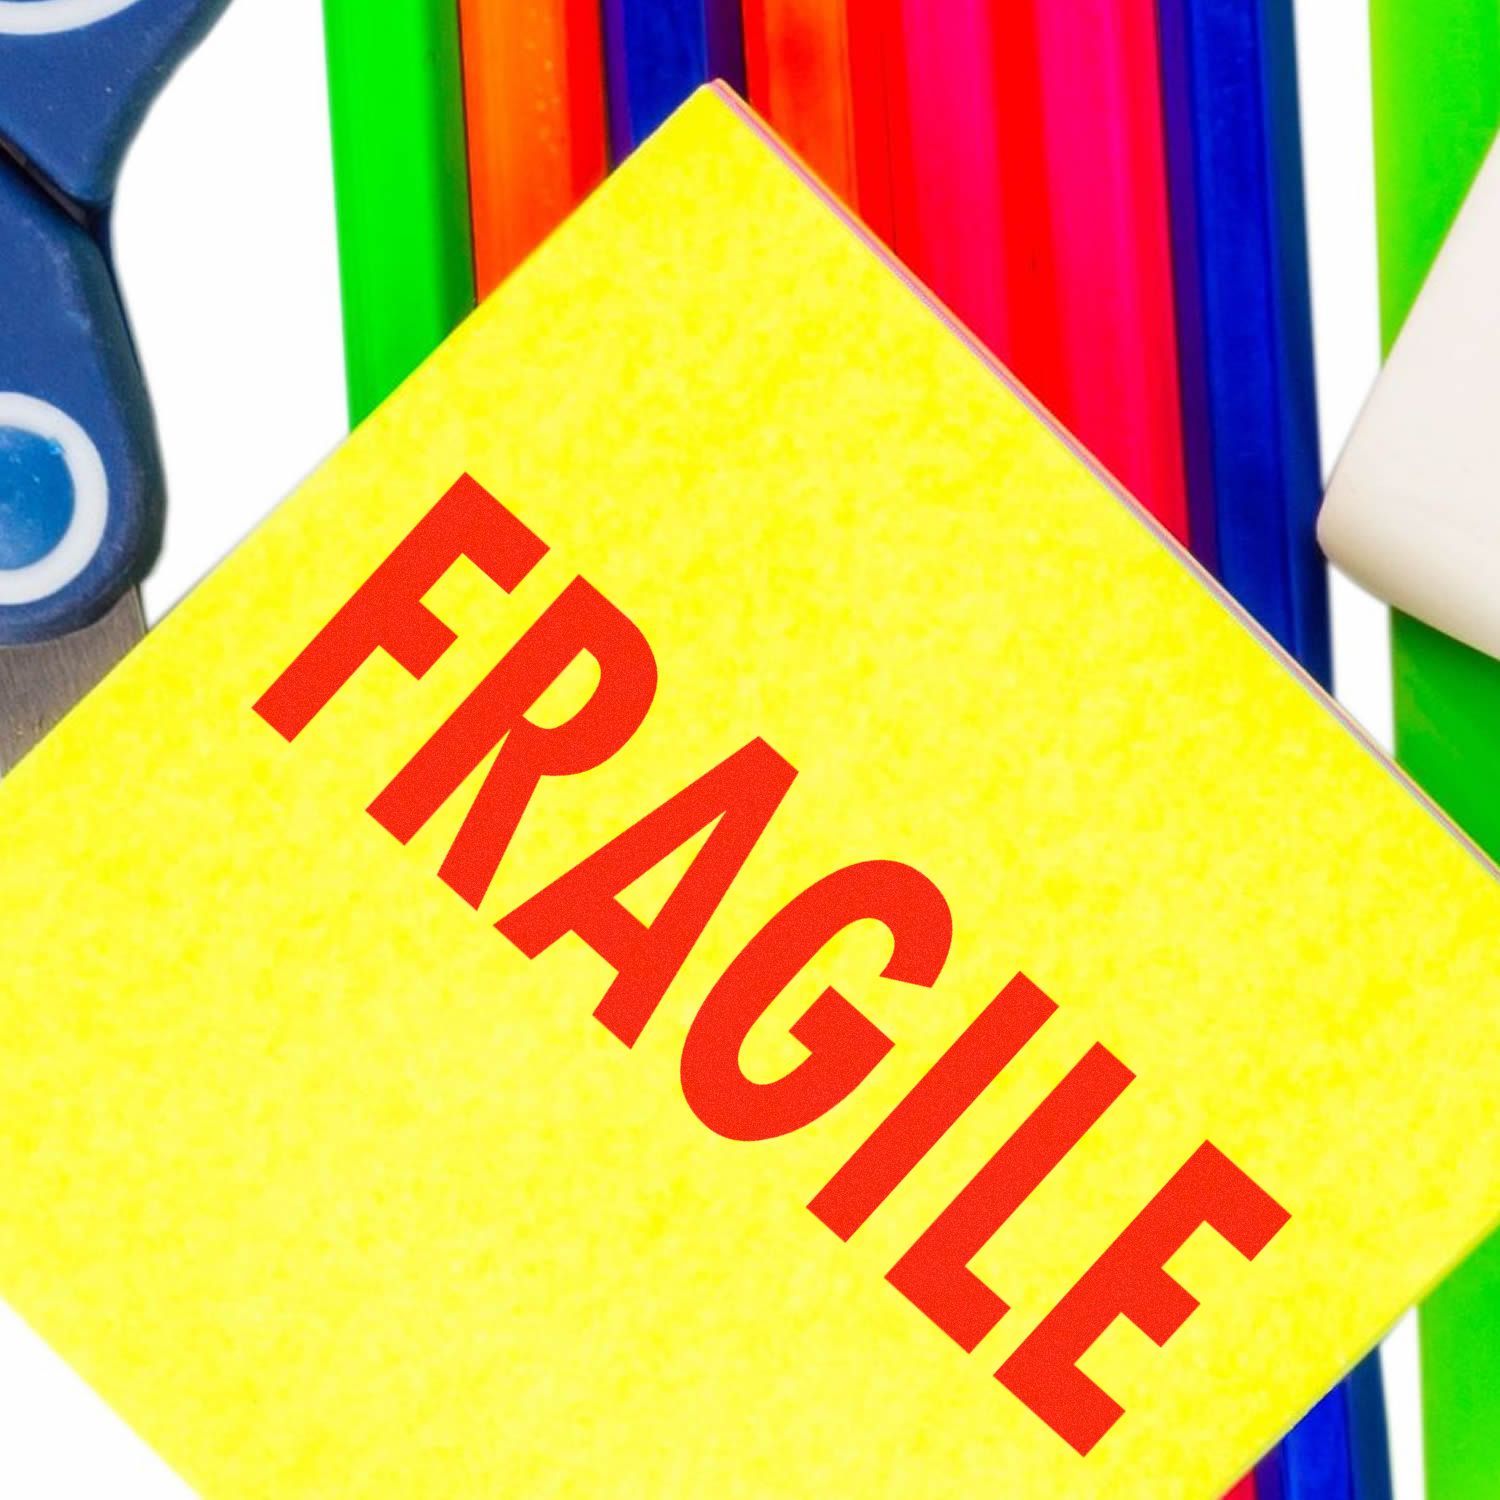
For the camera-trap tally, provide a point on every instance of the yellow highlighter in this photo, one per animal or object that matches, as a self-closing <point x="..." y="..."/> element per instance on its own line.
<point x="710" y="910"/>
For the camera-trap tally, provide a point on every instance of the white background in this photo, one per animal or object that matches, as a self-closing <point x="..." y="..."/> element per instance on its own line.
<point x="226" y="248"/>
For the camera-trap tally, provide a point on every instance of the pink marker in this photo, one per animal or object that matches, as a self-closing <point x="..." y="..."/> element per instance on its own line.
<point x="1106" y="184"/>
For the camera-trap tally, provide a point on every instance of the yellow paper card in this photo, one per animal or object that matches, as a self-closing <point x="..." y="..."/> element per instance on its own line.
<point x="1159" y="1074"/>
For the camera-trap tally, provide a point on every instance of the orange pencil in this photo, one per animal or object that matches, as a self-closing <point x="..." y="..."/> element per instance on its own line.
<point x="827" y="75"/>
<point x="534" y="96"/>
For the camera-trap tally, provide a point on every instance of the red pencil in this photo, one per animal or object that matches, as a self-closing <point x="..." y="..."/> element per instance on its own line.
<point x="823" y="73"/>
<point x="981" y="233"/>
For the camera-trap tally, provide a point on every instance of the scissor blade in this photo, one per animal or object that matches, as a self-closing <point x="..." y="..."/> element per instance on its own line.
<point x="39" y="684"/>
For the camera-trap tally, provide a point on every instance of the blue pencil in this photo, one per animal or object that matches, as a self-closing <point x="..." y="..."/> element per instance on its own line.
<point x="1338" y="1451"/>
<point x="1245" y="324"/>
<point x="1314" y="1461"/>
<point x="1234" y="161"/>
<point x="657" y="52"/>
<point x="1370" y="1453"/>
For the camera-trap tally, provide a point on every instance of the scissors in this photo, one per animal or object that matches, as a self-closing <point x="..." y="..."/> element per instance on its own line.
<point x="81" y="489"/>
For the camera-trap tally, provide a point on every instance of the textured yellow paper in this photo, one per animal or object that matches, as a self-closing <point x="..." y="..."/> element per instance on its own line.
<point x="333" y="1193"/>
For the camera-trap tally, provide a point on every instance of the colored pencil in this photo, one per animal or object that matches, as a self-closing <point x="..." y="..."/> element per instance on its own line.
<point x="956" y="242"/>
<point x="1035" y="351"/>
<point x="395" y="97"/>
<point x="657" y="52"/>
<point x="1370" y="1447"/>
<point x="534" y="103"/>
<point x="1437" y="104"/>
<point x="928" y="122"/>
<point x="1106" y="183"/>
<point x="830" y="77"/>
<point x="1244" y="312"/>
<point x="882" y="120"/>
<point x="1315" y="1460"/>
<point x="1338" y="1451"/>
<point x="1250" y="435"/>
<point x="798" y="69"/>
<point x="977" y="227"/>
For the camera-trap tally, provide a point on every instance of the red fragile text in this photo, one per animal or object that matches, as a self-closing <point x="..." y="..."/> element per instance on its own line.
<point x="735" y="801"/>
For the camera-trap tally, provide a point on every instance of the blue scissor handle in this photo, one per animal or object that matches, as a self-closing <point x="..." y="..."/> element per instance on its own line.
<point x="80" y="475"/>
<point x="76" y="78"/>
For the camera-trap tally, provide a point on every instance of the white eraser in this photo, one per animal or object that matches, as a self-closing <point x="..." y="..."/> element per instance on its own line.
<point x="1413" y="509"/>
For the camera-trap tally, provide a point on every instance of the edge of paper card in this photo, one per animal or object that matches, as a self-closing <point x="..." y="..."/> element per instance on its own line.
<point x="976" y="347"/>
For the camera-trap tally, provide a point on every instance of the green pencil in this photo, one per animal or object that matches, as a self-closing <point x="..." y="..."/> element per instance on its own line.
<point x="1437" y="105"/>
<point x="395" y="96"/>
